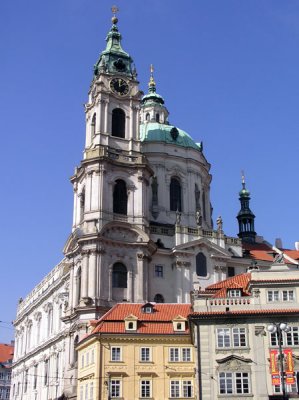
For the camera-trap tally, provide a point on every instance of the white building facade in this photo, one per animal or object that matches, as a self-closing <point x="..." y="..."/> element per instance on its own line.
<point x="142" y="227"/>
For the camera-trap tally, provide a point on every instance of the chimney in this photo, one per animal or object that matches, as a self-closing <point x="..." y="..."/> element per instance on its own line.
<point x="278" y="243"/>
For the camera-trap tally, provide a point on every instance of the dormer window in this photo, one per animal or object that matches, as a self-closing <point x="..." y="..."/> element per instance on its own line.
<point x="179" y="324"/>
<point x="148" y="308"/>
<point x="131" y="323"/>
<point x="234" y="293"/>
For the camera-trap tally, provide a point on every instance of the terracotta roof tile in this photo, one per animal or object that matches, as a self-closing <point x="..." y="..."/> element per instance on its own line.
<point x="235" y="282"/>
<point x="6" y="352"/>
<point x="158" y="322"/>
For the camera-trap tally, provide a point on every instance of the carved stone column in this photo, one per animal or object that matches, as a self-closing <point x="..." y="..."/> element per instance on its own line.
<point x="101" y="278"/>
<point x="110" y="283"/>
<point x="71" y="304"/>
<point x="84" y="275"/>
<point x="179" y="282"/>
<point x="140" y="277"/>
<point x="130" y="287"/>
<point x="92" y="282"/>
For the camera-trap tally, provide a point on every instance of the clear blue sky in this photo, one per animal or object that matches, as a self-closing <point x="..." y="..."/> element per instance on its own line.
<point x="228" y="71"/>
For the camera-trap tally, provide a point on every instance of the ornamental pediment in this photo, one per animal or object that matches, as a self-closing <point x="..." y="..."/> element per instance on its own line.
<point x="123" y="232"/>
<point x="233" y="363"/>
<point x="197" y="245"/>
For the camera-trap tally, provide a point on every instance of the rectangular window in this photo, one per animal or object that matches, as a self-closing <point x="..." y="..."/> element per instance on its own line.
<point x="82" y="361"/>
<point x="273" y="295"/>
<point x="175" y="389"/>
<point x="115" y="388"/>
<point x="115" y="354"/>
<point x="181" y="388"/>
<point x="145" y="389"/>
<point x="230" y="272"/>
<point x="234" y="383"/>
<point x="159" y="271"/>
<point x="81" y="392"/>
<point x="292" y="337"/>
<point x="91" y="391"/>
<point x="177" y="354"/>
<point x="280" y="295"/>
<point x="86" y="391"/>
<point x="92" y="356"/>
<point x="187" y="389"/>
<point x="186" y="354"/>
<point x="234" y="293"/>
<point x="239" y="337"/>
<point x="225" y="383"/>
<point x="174" y="354"/>
<point x="87" y="358"/>
<point x="231" y="337"/>
<point x="223" y="337"/>
<point x="288" y="295"/>
<point x="242" y="382"/>
<point x="145" y="354"/>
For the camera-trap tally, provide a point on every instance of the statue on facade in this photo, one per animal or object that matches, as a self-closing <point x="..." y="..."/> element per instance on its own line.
<point x="219" y="223"/>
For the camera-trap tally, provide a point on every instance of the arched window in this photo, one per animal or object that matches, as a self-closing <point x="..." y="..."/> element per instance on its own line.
<point x="119" y="276"/>
<point x="201" y="265"/>
<point x="118" y="123"/>
<point x="120" y="197"/>
<point x="147" y="117"/>
<point x="158" y="298"/>
<point x="130" y="325"/>
<point x="157" y="117"/>
<point x="175" y="195"/>
<point x="93" y="125"/>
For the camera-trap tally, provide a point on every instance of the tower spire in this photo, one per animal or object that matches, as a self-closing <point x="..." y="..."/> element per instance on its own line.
<point x="245" y="216"/>
<point x="114" y="60"/>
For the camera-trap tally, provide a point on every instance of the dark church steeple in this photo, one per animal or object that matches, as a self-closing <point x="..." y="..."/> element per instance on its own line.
<point x="245" y="216"/>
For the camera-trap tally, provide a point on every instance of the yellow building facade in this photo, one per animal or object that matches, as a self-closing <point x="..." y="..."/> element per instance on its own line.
<point x="138" y="351"/>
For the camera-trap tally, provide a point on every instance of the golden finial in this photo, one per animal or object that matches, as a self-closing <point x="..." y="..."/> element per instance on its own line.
<point x="114" y="10"/>
<point x="152" y="83"/>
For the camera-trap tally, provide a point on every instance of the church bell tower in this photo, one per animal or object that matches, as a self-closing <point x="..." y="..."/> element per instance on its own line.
<point x="109" y="246"/>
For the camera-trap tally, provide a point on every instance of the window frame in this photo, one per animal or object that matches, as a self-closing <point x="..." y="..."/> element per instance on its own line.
<point x="117" y="357"/>
<point x="116" y="385"/>
<point x="234" y="383"/>
<point x="145" y="387"/>
<point x="176" y="354"/>
<point x="181" y="388"/>
<point x="277" y="295"/>
<point x="145" y="356"/>
<point x="233" y="338"/>
<point x="159" y="271"/>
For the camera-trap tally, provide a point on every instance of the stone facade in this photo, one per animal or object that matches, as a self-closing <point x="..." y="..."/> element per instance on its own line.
<point x="230" y="332"/>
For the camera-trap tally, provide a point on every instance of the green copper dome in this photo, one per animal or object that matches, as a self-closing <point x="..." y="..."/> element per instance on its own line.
<point x="244" y="193"/>
<point x="114" y="59"/>
<point x="156" y="132"/>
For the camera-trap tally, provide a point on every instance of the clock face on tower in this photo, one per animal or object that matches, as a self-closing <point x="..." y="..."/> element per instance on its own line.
<point x="119" y="86"/>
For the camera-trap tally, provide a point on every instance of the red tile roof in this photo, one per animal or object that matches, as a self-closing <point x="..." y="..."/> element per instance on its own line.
<point x="264" y="252"/>
<point x="6" y="352"/>
<point x="157" y="322"/>
<point x="235" y="282"/>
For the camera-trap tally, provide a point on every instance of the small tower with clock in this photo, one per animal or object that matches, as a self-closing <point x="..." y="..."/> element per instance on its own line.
<point x="112" y="111"/>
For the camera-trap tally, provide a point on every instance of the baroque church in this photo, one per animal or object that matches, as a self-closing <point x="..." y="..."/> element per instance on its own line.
<point x="142" y="227"/>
